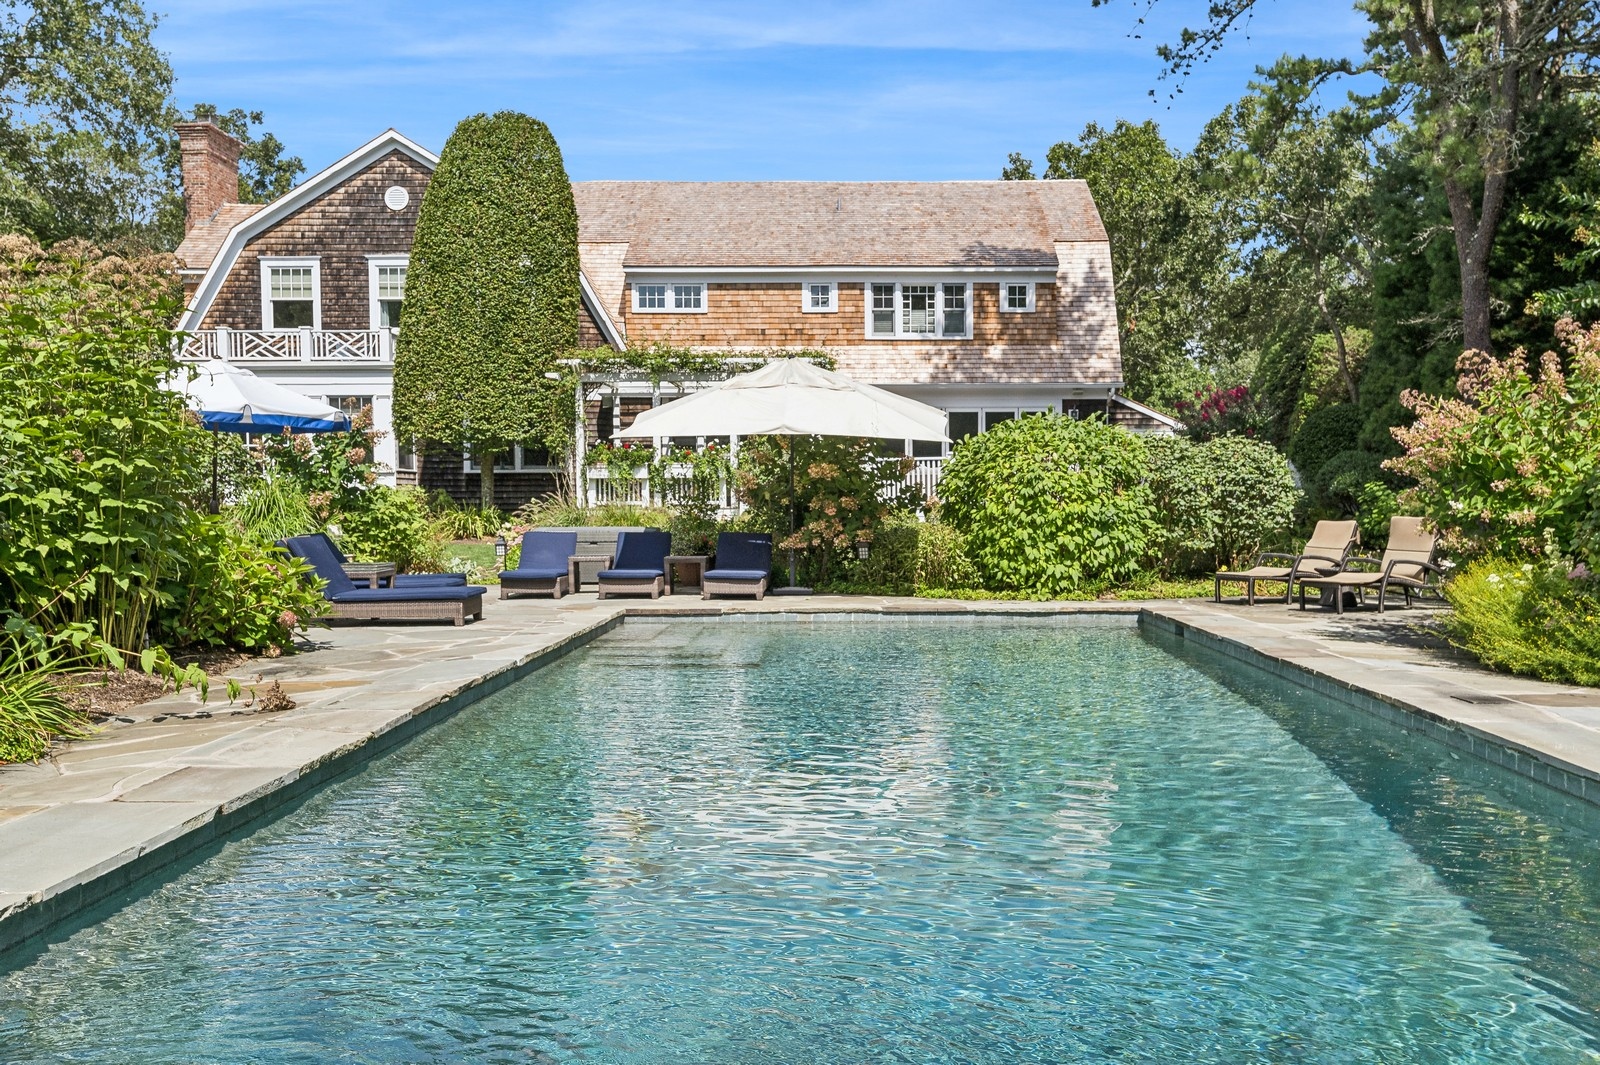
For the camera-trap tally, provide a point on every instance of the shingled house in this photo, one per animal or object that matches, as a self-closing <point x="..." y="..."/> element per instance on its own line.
<point x="988" y="299"/>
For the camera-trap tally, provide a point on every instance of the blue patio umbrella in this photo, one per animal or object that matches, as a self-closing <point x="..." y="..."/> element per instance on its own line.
<point x="231" y="399"/>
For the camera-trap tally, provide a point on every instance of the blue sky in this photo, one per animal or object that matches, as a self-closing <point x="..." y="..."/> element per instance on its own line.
<point x="708" y="90"/>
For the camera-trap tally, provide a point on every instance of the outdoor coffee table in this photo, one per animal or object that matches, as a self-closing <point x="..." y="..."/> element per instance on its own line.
<point x="674" y="561"/>
<point x="573" y="561"/>
<point x="374" y="573"/>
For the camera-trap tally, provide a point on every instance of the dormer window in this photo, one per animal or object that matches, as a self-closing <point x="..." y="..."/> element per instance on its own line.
<point x="907" y="310"/>
<point x="672" y="297"/>
<point x="291" y="294"/>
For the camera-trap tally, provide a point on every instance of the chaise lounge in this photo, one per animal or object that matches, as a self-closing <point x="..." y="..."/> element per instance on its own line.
<point x="744" y="566"/>
<point x="1328" y="549"/>
<point x="542" y="567"/>
<point x="1406" y="564"/>
<point x="435" y="602"/>
<point x="399" y="580"/>
<point x="641" y="565"/>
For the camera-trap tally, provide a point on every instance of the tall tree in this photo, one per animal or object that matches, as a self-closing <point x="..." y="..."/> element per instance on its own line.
<point x="492" y="291"/>
<point x="83" y="118"/>
<point x="1166" y="250"/>
<point x="1467" y="75"/>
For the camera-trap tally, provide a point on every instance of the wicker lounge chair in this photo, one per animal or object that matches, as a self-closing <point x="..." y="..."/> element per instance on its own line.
<point x="399" y="580"/>
<point x="542" y="566"/>
<point x="1330" y="545"/>
<point x="1406" y="564"/>
<point x="744" y="566"/>
<point x="641" y="566"/>
<point x="437" y="602"/>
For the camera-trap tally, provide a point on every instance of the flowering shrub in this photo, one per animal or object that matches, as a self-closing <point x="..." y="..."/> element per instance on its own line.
<point x="690" y="480"/>
<point x="620" y="460"/>
<point x="334" y="470"/>
<point x="1223" y="412"/>
<point x="1511" y="457"/>
<point x="1051" y="505"/>
<point x="1540" y="620"/>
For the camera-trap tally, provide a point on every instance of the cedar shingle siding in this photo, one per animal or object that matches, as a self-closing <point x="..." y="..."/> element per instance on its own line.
<point x="343" y="227"/>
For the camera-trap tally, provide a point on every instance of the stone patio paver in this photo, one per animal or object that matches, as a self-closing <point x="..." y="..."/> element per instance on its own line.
<point x="102" y="812"/>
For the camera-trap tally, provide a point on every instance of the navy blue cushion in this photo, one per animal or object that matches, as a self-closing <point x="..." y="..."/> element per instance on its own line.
<point x="744" y="551"/>
<point x="630" y="574"/>
<point x="646" y="550"/>
<point x="417" y="580"/>
<point x="317" y="551"/>
<point x="735" y="574"/>
<point x="539" y="574"/>
<point x="546" y="551"/>
<point x="427" y="593"/>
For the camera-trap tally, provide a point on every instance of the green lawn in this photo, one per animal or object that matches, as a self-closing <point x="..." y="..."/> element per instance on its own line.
<point x="480" y="554"/>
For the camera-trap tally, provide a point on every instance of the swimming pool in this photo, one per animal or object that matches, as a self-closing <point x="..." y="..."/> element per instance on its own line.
<point x="923" y="841"/>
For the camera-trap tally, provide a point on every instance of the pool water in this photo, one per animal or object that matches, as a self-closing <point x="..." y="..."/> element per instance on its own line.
<point x="853" y="841"/>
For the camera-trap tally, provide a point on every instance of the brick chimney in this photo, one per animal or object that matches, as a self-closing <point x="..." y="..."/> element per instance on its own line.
<point x="210" y="170"/>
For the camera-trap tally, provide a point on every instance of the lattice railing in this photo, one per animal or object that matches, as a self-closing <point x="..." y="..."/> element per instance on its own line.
<point x="291" y="345"/>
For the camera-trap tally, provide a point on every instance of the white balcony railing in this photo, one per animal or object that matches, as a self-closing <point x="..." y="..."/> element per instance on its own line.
<point x="374" y="347"/>
<point x="636" y="491"/>
<point x="925" y="475"/>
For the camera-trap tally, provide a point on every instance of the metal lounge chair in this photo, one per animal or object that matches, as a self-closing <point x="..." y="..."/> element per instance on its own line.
<point x="1406" y="565"/>
<point x="744" y="566"/>
<point x="542" y="567"/>
<point x="441" y="602"/>
<point x="1329" y="547"/>
<point x="399" y="580"/>
<point x="641" y="566"/>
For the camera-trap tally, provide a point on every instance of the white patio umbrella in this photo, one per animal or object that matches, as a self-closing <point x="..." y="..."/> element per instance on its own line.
<point x="231" y="399"/>
<point x="792" y="397"/>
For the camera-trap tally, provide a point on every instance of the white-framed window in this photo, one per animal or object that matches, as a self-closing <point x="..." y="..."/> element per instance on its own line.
<point x="521" y="458"/>
<point x="350" y="405"/>
<point x="819" y="297"/>
<point x="1016" y="297"/>
<point x="386" y="283"/>
<point x="920" y="310"/>
<point x="670" y="297"/>
<point x="405" y="455"/>
<point x="291" y="293"/>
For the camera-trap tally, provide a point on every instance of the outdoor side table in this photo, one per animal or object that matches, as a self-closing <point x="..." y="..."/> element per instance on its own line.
<point x="674" y="561"/>
<point x="374" y="573"/>
<point x="573" y="561"/>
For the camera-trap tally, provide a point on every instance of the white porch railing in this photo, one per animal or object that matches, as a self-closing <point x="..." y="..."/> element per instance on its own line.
<point x="925" y="475"/>
<point x="636" y="491"/>
<point x="373" y="347"/>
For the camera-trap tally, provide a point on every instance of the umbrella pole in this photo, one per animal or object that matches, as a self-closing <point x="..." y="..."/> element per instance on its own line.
<point x="214" y="447"/>
<point x="793" y="589"/>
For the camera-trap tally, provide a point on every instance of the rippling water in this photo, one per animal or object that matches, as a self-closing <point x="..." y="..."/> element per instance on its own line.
<point x="863" y="841"/>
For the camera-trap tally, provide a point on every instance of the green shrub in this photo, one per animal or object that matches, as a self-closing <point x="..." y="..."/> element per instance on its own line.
<point x="1324" y="434"/>
<point x="1340" y="480"/>
<point x="456" y="521"/>
<point x="1536" y="620"/>
<point x="1512" y="457"/>
<point x="1050" y="504"/>
<point x="1219" y="502"/>
<point x="232" y="591"/>
<point x="32" y="712"/>
<point x="274" y="508"/>
<point x="1376" y="503"/>
<point x="391" y="525"/>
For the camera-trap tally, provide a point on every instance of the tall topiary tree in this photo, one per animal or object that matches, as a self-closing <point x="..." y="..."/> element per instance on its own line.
<point x="492" y="291"/>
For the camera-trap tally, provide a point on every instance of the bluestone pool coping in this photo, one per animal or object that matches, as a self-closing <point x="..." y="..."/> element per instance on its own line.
<point x="85" y="826"/>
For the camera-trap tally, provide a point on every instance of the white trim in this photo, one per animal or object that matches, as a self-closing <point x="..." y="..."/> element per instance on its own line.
<point x="517" y="466"/>
<point x="302" y="194"/>
<point x="833" y="297"/>
<point x="670" y="296"/>
<point x="608" y="328"/>
<point x="272" y="262"/>
<point x="899" y="305"/>
<point x="373" y="263"/>
<point x="841" y="271"/>
<point x="1005" y="297"/>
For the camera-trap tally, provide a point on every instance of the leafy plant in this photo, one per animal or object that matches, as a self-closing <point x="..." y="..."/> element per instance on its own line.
<point x="1051" y="505"/>
<point x="1537" y="619"/>
<point x="1223" y="412"/>
<point x="457" y="521"/>
<point x="393" y="525"/>
<point x="233" y="591"/>
<point x="1512" y="457"/>
<point x="274" y="508"/>
<point x="1219" y="502"/>
<point x="1325" y="433"/>
<point x="842" y="491"/>
<point x="32" y="712"/>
